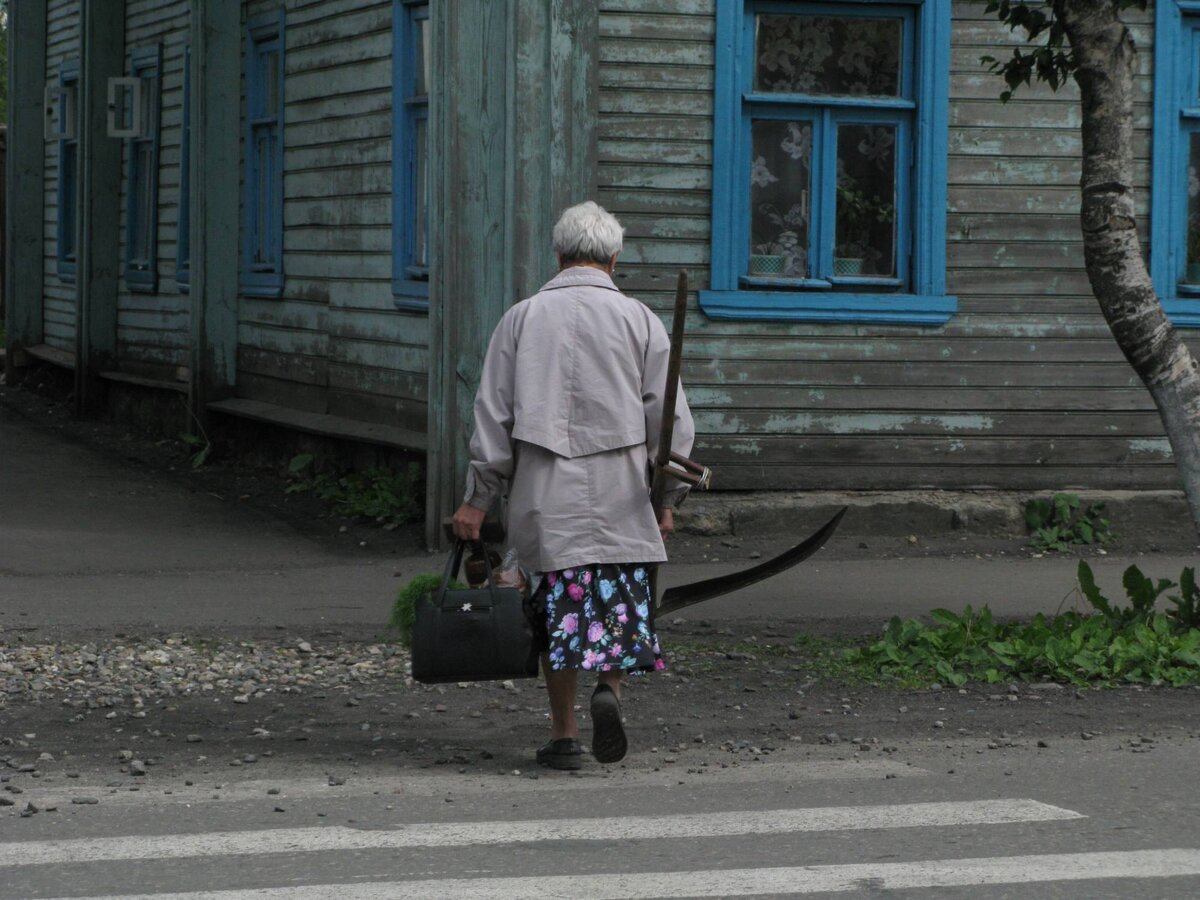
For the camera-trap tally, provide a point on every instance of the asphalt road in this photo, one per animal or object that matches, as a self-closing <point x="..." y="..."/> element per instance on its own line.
<point x="1062" y="825"/>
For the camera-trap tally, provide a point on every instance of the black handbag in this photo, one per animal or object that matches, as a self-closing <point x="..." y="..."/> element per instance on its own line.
<point x="475" y="634"/>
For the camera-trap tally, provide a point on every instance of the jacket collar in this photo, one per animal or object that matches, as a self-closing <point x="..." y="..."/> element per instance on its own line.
<point x="580" y="276"/>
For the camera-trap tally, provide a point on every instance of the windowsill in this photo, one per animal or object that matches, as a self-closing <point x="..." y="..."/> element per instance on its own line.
<point x="141" y="284"/>
<point x="1184" y="312"/>
<point x="797" y="306"/>
<point x="411" y="295"/>
<point x="268" y="285"/>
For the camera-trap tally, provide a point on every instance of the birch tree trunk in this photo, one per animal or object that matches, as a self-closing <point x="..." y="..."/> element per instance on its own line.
<point x="1104" y="51"/>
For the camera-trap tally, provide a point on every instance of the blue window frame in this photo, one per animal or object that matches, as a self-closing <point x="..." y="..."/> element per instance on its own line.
<point x="410" y="153"/>
<point x="141" y="192"/>
<point x="66" y="233"/>
<point x="183" y="226"/>
<point x="262" y="182"/>
<point x="1175" y="187"/>
<point x="829" y="161"/>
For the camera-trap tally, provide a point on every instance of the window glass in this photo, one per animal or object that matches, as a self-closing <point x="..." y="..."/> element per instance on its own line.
<point x="816" y="54"/>
<point x="66" y="198"/>
<point x="865" y="242"/>
<point x="421" y="57"/>
<point x="144" y="214"/>
<point x="1193" y="210"/>
<point x="270" y="83"/>
<point x="780" y="186"/>
<point x="263" y="199"/>
<point x="421" y="195"/>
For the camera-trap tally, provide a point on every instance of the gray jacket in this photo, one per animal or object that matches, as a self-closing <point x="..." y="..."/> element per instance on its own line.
<point x="568" y="412"/>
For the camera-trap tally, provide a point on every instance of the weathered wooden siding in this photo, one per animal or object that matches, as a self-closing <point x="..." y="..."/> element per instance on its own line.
<point x="1024" y="388"/>
<point x="335" y="343"/>
<point x="153" y="329"/>
<point x="58" y="310"/>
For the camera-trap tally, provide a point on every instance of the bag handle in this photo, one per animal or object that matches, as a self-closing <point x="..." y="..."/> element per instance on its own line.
<point x="454" y="561"/>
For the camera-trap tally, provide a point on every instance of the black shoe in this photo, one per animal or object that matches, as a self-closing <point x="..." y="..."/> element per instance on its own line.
<point x="608" y="734"/>
<point x="564" y="753"/>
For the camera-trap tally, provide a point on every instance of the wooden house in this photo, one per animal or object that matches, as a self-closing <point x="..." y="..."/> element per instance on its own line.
<point x="312" y="212"/>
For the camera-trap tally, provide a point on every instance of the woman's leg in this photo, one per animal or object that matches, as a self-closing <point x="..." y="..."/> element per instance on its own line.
<point x="560" y="687"/>
<point x="612" y="678"/>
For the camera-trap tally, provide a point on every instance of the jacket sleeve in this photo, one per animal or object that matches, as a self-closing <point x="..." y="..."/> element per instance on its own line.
<point x="654" y="381"/>
<point x="492" y="445"/>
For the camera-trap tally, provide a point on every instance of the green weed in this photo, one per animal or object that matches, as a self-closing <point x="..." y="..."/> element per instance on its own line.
<point x="404" y="610"/>
<point x="390" y="498"/>
<point x="1059" y="522"/>
<point x="1112" y="644"/>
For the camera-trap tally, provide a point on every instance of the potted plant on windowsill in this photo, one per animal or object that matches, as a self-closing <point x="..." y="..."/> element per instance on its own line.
<point x="858" y="215"/>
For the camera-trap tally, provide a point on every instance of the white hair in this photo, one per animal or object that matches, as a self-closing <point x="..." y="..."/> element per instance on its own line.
<point x="587" y="233"/>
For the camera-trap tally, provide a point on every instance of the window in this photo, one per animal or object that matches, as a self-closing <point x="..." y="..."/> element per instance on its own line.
<point x="1175" y="188"/>
<point x="410" y="154"/>
<point x="262" y="192"/>
<point x="829" y="162"/>
<point x="183" y="227"/>
<point x="141" y="192"/>
<point x="63" y="112"/>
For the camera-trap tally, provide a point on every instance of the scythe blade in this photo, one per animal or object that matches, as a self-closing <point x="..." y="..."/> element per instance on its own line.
<point x="677" y="598"/>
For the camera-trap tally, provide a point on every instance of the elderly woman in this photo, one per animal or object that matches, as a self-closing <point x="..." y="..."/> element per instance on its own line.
<point x="568" y="415"/>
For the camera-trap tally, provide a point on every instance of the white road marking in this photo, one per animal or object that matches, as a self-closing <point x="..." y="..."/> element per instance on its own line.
<point x="744" y="882"/>
<point x="461" y="834"/>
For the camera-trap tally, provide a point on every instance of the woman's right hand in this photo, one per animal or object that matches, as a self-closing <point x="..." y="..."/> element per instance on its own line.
<point x="467" y="522"/>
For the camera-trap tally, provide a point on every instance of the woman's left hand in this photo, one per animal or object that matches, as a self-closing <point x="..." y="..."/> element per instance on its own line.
<point x="666" y="522"/>
<point x="467" y="521"/>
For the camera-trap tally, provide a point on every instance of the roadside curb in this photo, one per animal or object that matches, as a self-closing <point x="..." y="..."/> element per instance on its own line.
<point x="1152" y="515"/>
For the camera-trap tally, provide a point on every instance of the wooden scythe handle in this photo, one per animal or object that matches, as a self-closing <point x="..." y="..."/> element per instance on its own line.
<point x="658" y="485"/>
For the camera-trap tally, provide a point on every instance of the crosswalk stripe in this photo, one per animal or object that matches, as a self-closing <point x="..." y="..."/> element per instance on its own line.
<point x="743" y="882"/>
<point x="458" y="834"/>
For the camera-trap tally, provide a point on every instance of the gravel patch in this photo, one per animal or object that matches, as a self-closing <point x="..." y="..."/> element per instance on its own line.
<point x="128" y="673"/>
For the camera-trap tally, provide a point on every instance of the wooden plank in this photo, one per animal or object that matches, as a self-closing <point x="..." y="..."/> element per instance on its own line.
<point x="366" y="380"/>
<point x="657" y="26"/>
<point x="289" y="395"/>
<point x="695" y="58"/>
<point x="731" y="347"/>
<point x="282" y="340"/>
<point x="352" y="77"/>
<point x="407" y="414"/>
<point x="974" y="400"/>
<point x="941" y="477"/>
<point x="1000" y="255"/>
<point x="904" y="423"/>
<point x="337" y="213"/>
<point x="924" y="375"/>
<point x="651" y="103"/>
<point x="294" y="367"/>
<point x="678" y="7"/>
<point x="50" y="353"/>
<point x="951" y="450"/>
<point x="658" y="177"/>
<point x="692" y="153"/>
<point x="321" y="424"/>
<point x="349" y="239"/>
<point x="1029" y="114"/>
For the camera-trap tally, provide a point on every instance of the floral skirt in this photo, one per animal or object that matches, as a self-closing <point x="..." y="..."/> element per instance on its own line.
<point x="599" y="618"/>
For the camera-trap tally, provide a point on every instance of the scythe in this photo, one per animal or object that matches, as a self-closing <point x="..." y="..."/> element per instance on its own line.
<point x="669" y="465"/>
